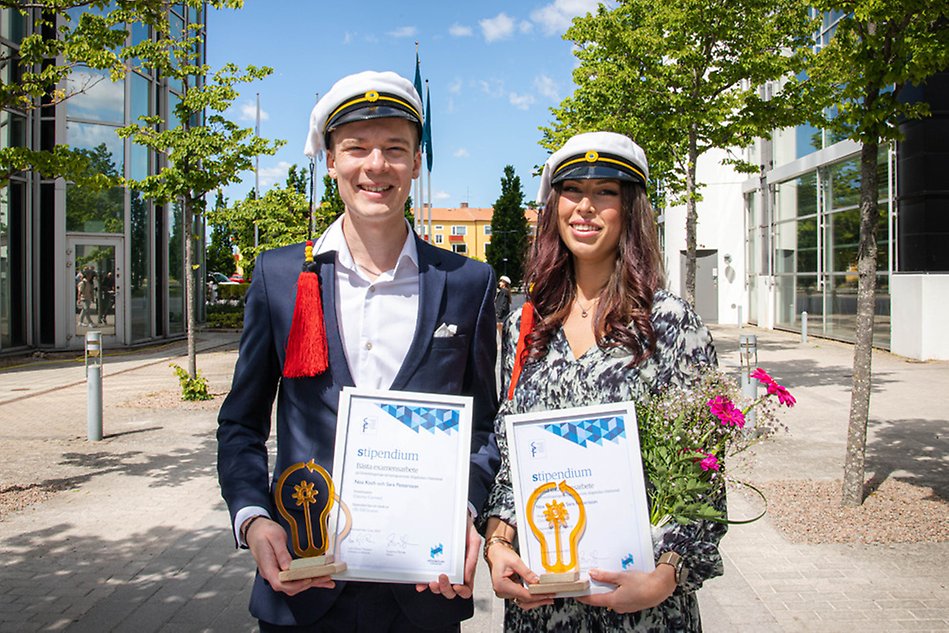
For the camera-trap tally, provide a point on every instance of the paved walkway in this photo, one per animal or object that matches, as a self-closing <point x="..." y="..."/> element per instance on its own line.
<point x="129" y="534"/>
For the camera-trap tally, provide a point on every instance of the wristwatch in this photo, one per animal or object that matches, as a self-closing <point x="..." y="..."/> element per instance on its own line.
<point x="677" y="563"/>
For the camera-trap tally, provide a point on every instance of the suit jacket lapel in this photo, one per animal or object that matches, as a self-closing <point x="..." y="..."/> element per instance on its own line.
<point x="431" y="282"/>
<point x="334" y="342"/>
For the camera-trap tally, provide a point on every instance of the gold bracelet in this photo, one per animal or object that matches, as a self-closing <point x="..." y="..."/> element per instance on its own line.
<point x="496" y="539"/>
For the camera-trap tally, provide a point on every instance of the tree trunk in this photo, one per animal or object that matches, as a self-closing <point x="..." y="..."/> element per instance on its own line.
<point x="691" y="218"/>
<point x="189" y="288"/>
<point x="853" y="486"/>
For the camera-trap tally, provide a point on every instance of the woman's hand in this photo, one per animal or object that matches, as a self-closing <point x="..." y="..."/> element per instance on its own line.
<point x="635" y="590"/>
<point x="507" y="570"/>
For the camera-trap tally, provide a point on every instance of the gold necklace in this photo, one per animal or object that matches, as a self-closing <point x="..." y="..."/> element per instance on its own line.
<point x="585" y="311"/>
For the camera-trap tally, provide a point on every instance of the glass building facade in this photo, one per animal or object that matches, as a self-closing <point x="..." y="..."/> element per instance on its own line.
<point x="72" y="259"/>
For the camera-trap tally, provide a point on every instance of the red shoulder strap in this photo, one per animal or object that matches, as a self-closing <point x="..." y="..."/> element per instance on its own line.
<point x="527" y="324"/>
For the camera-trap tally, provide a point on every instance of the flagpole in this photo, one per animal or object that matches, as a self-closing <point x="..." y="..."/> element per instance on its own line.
<point x="257" y="174"/>
<point x="417" y="203"/>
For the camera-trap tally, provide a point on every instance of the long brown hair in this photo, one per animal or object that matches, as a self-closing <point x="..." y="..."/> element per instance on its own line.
<point x="622" y="314"/>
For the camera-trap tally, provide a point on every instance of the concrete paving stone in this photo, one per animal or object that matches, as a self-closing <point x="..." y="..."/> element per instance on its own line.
<point x="902" y="603"/>
<point x="849" y="615"/>
<point x="931" y="614"/>
<point x="923" y="625"/>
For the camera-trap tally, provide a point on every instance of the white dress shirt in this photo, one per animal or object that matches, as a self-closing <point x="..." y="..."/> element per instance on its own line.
<point x="377" y="318"/>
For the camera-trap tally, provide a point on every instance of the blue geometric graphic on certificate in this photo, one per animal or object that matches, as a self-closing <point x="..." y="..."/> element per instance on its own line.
<point x="596" y="430"/>
<point x="428" y="418"/>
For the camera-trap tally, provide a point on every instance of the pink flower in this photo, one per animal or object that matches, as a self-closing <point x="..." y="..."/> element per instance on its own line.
<point x="762" y="376"/>
<point x="774" y="389"/>
<point x="710" y="462"/>
<point x="726" y="412"/>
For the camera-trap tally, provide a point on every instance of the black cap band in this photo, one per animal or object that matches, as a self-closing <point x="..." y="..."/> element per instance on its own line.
<point x="594" y="165"/>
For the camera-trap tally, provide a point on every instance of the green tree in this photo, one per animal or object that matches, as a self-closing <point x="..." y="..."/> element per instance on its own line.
<point x="58" y="45"/>
<point x="509" y="229"/>
<point x="683" y="77"/>
<point x="878" y="49"/>
<point x="220" y="257"/>
<point x="205" y="151"/>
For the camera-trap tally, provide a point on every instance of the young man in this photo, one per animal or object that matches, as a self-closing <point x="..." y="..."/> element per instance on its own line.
<point x="384" y="294"/>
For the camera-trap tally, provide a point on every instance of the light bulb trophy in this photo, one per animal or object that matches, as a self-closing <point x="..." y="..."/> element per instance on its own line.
<point x="563" y="574"/>
<point x="311" y="484"/>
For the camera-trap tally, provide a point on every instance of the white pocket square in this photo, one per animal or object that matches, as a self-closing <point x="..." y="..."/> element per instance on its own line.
<point x="445" y="330"/>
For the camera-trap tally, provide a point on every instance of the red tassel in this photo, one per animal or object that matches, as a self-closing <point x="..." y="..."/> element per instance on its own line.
<point x="527" y="324"/>
<point x="306" y="345"/>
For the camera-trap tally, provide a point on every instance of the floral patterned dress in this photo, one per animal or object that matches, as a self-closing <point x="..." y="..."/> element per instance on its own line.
<point x="599" y="376"/>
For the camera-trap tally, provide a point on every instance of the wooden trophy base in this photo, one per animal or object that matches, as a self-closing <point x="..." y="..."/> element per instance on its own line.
<point x="559" y="583"/>
<point x="312" y="567"/>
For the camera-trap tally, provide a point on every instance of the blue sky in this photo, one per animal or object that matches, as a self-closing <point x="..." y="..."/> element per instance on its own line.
<point x="494" y="68"/>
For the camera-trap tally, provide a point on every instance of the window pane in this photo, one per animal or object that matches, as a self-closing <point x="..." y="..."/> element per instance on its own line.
<point x="796" y="198"/>
<point x="100" y="143"/>
<point x="176" y="303"/>
<point x="844" y="184"/>
<point x="93" y="95"/>
<point x="95" y="211"/>
<point x="12" y="130"/>
<point x="138" y="278"/>
<point x="141" y="90"/>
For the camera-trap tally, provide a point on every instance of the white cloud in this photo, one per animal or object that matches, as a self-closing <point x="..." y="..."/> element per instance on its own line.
<point x="460" y="30"/>
<point x="347" y="37"/>
<point x="491" y="87"/>
<point x="521" y="102"/>
<point x="272" y="175"/>
<point x="404" y="31"/>
<point x="441" y="195"/>
<point x="525" y="27"/>
<point x="546" y="86"/>
<point x="461" y="152"/>
<point x="455" y="86"/>
<point x="555" y="17"/>
<point x="248" y="112"/>
<point x="94" y="95"/>
<point x="497" y="28"/>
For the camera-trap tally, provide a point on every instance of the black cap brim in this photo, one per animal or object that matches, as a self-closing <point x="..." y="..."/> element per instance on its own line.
<point x="595" y="172"/>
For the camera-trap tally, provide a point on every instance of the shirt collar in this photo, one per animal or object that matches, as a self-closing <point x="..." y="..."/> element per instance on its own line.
<point x="334" y="240"/>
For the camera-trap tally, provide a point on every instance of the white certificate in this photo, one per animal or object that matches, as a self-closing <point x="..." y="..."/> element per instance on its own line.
<point x="588" y="455"/>
<point x="401" y="467"/>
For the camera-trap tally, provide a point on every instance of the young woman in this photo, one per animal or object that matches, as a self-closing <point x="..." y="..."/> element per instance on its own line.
<point x="600" y="329"/>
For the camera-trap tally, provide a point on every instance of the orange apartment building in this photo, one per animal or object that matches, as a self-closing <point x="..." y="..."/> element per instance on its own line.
<point x="464" y="230"/>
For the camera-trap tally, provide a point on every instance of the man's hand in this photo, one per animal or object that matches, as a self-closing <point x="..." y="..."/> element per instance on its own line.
<point x="268" y="543"/>
<point x="442" y="586"/>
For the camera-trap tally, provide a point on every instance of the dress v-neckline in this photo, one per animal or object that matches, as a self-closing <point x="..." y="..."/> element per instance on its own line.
<point x="569" y="349"/>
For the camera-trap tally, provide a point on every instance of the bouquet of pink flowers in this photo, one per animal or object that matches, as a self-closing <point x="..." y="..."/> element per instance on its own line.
<point x="686" y="434"/>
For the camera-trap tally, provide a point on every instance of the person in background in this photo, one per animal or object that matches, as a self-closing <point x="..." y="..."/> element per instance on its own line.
<point x="603" y="330"/>
<point x="502" y="300"/>
<point x="398" y="314"/>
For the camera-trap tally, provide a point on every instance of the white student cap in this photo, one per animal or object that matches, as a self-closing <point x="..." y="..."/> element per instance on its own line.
<point x="360" y="97"/>
<point x="605" y="155"/>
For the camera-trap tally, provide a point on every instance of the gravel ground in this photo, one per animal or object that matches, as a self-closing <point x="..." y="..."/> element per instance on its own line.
<point x="894" y="511"/>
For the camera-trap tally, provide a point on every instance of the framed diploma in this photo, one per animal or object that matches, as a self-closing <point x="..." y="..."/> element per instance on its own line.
<point x="580" y="495"/>
<point x="401" y="468"/>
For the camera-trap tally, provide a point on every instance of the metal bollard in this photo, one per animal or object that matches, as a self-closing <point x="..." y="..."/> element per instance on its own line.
<point x="804" y="326"/>
<point x="94" y="386"/>
<point x="748" y="350"/>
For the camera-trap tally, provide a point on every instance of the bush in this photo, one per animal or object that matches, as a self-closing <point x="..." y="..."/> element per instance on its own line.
<point x="232" y="292"/>
<point x="223" y="316"/>
<point x="191" y="388"/>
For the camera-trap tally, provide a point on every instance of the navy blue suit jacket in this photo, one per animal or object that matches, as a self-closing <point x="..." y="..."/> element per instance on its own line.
<point x="453" y="290"/>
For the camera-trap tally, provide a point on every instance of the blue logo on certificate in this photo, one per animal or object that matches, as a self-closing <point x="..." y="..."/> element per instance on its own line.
<point x="596" y="430"/>
<point x="428" y="418"/>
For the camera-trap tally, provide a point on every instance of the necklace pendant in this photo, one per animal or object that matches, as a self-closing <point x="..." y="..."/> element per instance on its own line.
<point x="583" y="313"/>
